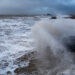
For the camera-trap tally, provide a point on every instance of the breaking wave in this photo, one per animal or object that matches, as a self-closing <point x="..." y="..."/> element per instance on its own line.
<point x="54" y="42"/>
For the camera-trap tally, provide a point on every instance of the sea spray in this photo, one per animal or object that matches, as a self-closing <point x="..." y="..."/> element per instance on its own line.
<point x="52" y="53"/>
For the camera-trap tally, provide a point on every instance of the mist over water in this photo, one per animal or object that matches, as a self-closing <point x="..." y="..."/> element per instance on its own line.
<point x="51" y="39"/>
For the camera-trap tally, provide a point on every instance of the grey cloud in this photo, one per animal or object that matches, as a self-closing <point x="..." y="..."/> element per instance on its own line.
<point x="37" y="6"/>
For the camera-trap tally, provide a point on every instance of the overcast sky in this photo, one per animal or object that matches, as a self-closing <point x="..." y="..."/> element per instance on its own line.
<point x="37" y="6"/>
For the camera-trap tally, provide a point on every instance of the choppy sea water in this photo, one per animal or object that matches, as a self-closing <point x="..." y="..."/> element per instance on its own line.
<point x="14" y="42"/>
<point x="16" y="48"/>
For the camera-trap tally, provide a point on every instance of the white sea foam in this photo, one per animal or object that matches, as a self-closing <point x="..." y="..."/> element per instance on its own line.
<point x="14" y="42"/>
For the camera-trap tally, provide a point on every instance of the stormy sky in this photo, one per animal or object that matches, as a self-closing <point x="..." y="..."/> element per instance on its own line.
<point x="37" y="6"/>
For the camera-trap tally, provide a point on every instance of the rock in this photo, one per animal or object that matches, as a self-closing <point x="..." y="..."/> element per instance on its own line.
<point x="26" y="70"/>
<point x="9" y="73"/>
<point x="25" y="57"/>
<point x="72" y="16"/>
<point x="70" y="43"/>
<point x="53" y="17"/>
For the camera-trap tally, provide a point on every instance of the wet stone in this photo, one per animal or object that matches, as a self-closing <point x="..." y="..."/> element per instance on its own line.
<point x="25" y="57"/>
<point x="9" y="73"/>
<point x="27" y="69"/>
<point x="53" y="17"/>
<point x="70" y="43"/>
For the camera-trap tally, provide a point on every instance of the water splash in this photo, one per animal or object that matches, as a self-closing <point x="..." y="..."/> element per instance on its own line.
<point x="53" y="55"/>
